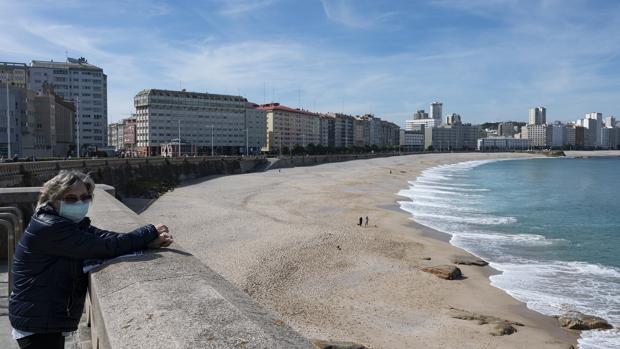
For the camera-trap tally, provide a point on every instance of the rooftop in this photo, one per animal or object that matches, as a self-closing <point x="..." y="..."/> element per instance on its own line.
<point x="79" y="63"/>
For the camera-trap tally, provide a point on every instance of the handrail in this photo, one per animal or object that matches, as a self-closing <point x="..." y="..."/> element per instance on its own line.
<point x="17" y="222"/>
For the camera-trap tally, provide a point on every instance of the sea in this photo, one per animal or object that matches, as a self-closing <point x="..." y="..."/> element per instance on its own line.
<point x="550" y="226"/>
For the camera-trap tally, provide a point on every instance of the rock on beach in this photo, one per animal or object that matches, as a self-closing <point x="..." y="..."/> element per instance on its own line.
<point x="574" y="320"/>
<point x="448" y="272"/>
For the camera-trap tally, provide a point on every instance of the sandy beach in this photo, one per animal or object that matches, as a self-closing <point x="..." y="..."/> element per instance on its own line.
<point x="290" y="240"/>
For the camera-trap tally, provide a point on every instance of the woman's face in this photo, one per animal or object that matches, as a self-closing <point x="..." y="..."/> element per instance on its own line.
<point x="76" y="193"/>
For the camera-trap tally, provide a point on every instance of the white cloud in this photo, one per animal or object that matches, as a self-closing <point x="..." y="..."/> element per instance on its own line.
<point x="345" y="12"/>
<point x="240" y="7"/>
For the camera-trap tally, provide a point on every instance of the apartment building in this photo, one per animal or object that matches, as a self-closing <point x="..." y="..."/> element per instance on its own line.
<point x="290" y="127"/>
<point x="84" y="84"/>
<point x="224" y="124"/>
<point x="452" y="137"/>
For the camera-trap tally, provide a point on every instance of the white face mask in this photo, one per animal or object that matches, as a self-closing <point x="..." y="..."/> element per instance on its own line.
<point x="75" y="212"/>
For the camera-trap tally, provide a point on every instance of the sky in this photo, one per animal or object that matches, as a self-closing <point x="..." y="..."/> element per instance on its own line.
<point x="487" y="60"/>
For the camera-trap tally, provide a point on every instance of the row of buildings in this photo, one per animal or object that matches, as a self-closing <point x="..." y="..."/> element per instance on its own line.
<point x="178" y="122"/>
<point x="428" y="131"/>
<point x="53" y="107"/>
<point x="591" y="132"/>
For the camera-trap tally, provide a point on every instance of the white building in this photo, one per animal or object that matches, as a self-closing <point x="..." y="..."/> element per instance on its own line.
<point x="223" y="124"/>
<point x="418" y="124"/>
<point x="502" y="143"/>
<point x="538" y="116"/>
<point x="290" y="127"/>
<point x="77" y="80"/>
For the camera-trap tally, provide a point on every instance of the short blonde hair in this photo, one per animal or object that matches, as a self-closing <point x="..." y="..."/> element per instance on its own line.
<point x="55" y="188"/>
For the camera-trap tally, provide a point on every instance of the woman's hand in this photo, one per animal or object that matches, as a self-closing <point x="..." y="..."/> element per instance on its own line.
<point x="164" y="239"/>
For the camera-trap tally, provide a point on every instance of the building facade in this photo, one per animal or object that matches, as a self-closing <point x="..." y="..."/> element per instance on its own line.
<point x="53" y="132"/>
<point x="288" y="127"/>
<point x="437" y="111"/>
<point x="21" y="115"/>
<point x="539" y="136"/>
<point x="412" y="140"/>
<point x="505" y="129"/>
<point x="502" y="143"/>
<point x="84" y="84"/>
<point x="452" y="137"/>
<point x="453" y="119"/>
<point x="223" y="124"/>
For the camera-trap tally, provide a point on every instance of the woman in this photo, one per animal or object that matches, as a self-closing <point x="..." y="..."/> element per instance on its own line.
<point x="49" y="287"/>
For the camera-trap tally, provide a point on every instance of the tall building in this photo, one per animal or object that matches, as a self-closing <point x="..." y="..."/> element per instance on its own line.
<point x="420" y="114"/>
<point x="436" y="111"/>
<point x="453" y="119"/>
<point x="222" y="123"/>
<point x="597" y="116"/>
<point x="538" y="116"/>
<point x="610" y="121"/>
<point x="83" y="83"/>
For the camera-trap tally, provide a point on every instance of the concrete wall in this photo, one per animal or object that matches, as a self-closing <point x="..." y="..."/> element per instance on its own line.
<point x="117" y="172"/>
<point x="311" y="160"/>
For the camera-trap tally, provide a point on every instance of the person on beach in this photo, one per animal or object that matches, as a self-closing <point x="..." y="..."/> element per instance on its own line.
<point x="366" y="224"/>
<point x="361" y="221"/>
<point x="49" y="287"/>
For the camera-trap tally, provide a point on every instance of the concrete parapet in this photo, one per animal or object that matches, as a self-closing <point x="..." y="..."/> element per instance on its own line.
<point x="168" y="299"/>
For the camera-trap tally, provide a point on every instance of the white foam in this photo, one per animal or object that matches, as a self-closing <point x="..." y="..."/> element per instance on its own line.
<point x="472" y="219"/>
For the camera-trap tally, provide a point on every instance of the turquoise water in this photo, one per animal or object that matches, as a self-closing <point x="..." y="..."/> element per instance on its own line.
<point x="551" y="226"/>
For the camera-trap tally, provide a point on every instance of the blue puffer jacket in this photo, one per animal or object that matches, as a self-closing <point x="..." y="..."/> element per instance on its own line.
<point x="49" y="287"/>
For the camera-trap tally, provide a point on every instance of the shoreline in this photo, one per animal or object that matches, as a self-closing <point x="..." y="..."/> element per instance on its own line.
<point x="328" y="281"/>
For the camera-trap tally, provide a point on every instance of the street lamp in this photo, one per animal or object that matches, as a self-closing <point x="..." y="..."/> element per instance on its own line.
<point x="8" y="120"/>
<point x="179" y="137"/>
<point x="246" y="142"/>
<point x="211" y="140"/>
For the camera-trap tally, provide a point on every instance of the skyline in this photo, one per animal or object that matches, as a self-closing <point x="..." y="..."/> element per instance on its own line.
<point x="487" y="61"/>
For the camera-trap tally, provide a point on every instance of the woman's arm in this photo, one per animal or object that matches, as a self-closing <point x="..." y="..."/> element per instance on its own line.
<point x="67" y="240"/>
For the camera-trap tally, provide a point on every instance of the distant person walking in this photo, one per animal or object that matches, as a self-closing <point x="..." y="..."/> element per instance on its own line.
<point x="366" y="224"/>
<point x="361" y="221"/>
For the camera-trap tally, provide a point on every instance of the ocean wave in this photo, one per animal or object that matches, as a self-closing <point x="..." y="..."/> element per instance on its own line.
<point x="556" y="287"/>
<point x="449" y="188"/>
<point x="415" y="189"/>
<point x="513" y="239"/>
<point x="471" y="219"/>
<point x="421" y="205"/>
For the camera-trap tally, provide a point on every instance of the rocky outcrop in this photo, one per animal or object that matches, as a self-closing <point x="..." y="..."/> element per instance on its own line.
<point x="575" y="320"/>
<point x="337" y="345"/>
<point x="469" y="260"/>
<point x="497" y="326"/>
<point x="448" y="272"/>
